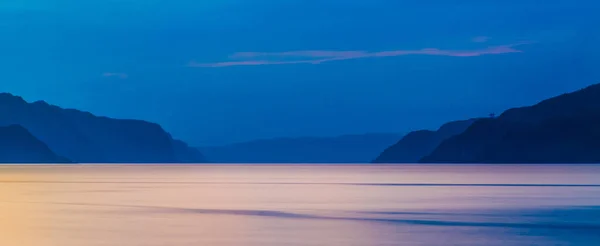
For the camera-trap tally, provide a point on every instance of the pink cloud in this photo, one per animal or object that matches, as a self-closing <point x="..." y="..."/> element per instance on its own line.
<point x="307" y="53"/>
<point x="116" y="75"/>
<point x="322" y="56"/>
<point x="246" y="63"/>
<point x="481" y="39"/>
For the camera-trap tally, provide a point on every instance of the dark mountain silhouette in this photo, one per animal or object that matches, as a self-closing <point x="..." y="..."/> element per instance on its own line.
<point x="187" y="154"/>
<point x="563" y="129"/>
<point x="418" y="144"/>
<point x="343" y="149"/>
<point x="83" y="137"/>
<point x="17" y="145"/>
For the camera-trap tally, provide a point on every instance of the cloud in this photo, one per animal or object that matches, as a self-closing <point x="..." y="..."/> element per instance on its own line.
<point x="116" y="75"/>
<point x="480" y="39"/>
<point x="322" y="56"/>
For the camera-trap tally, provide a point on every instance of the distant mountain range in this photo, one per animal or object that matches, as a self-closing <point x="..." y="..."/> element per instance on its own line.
<point x="83" y="137"/>
<point x="17" y="145"/>
<point x="563" y="129"/>
<point x="343" y="149"/>
<point x="415" y="145"/>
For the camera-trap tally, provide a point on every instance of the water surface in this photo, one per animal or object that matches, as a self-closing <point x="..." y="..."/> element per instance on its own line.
<point x="263" y="205"/>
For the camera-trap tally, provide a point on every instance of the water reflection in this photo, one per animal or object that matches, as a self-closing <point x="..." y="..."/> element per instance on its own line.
<point x="301" y="205"/>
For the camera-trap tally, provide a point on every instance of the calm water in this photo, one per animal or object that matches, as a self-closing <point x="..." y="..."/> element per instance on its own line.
<point x="299" y="205"/>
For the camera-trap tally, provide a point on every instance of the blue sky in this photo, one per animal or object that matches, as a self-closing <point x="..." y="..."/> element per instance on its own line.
<point x="214" y="72"/>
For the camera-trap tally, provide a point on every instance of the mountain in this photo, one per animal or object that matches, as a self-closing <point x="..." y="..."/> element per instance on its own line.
<point x="17" y="145"/>
<point x="83" y="137"/>
<point x="187" y="154"/>
<point x="563" y="129"/>
<point x="343" y="149"/>
<point x="415" y="145"/>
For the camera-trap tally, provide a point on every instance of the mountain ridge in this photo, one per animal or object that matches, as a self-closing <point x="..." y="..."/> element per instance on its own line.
<point x="415" y="145"/>
<point x="18" y="145"/>
<point x="531" y="134"/>
<point x="351" y="148"/>
<point x="84" y="137"/>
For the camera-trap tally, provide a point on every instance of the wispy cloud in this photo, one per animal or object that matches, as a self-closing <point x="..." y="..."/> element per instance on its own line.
<point x="116" y="75"/>
<point x="481" y="39"/>
<point x="322" y="56"/>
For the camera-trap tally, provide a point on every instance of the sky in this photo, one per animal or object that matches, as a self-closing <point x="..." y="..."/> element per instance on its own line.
<point x="217" y="72"/>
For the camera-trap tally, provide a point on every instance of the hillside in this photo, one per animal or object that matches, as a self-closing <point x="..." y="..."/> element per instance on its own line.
<point x="17" y="145"/>
<point x="562" y="129"/>
<point x="83" y="137"/>
<point x="415" y="145"/>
